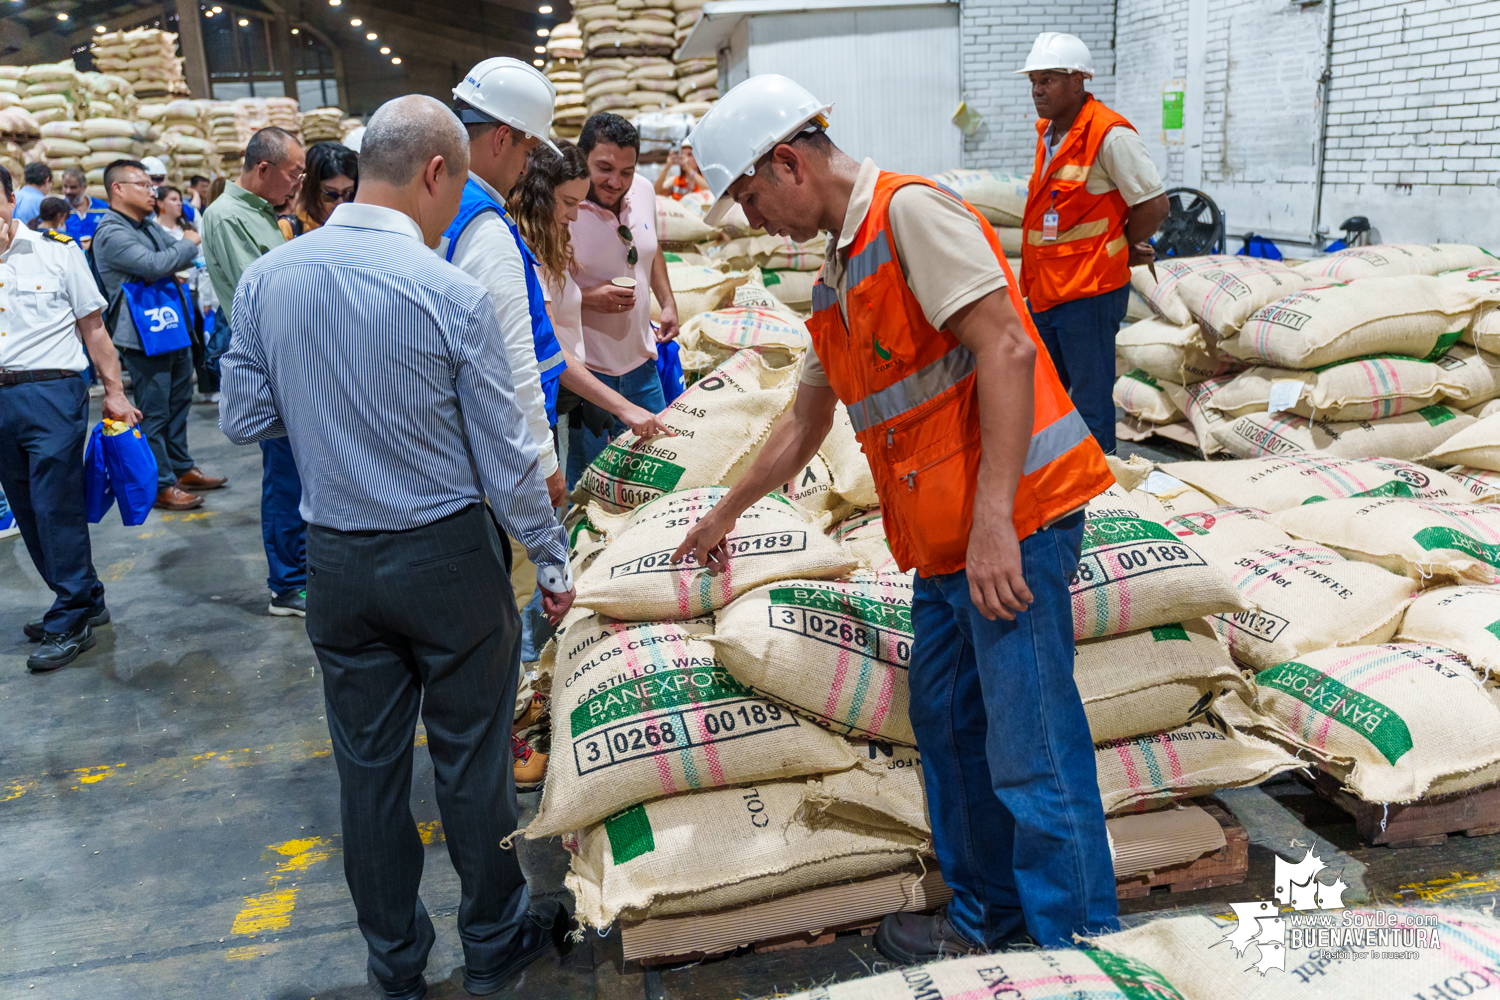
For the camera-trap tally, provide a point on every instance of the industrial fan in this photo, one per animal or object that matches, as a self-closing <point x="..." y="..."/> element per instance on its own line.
<point x="1194" y="226"/>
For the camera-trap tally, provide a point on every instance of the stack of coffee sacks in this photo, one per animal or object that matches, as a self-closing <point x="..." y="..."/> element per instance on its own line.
<point x="183" y="142"/>
<point x="1000" y="198"/>
<point x="108" y="96"/>
<point x="52" y="91"/>
<point x="564" y="51"/>
<point x="1340" y="354"/>
<point x="1370" y="580"/>
<point x="322" y="125"/>
<point x="145" y="57"/>
<point x="110" y="139"/>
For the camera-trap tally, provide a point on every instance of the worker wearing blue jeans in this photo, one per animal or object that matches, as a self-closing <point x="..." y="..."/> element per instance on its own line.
<point x="642" y="386"/>
<point x="282" y="529"/>
<point x="1080" y="337"/>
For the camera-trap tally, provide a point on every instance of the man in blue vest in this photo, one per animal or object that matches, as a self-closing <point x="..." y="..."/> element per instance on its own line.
<point x="86" y="211"/>
<point x="506" y="106"/>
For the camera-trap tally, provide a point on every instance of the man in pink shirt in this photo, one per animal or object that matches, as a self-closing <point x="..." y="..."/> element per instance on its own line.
<point x="619" y="263"/>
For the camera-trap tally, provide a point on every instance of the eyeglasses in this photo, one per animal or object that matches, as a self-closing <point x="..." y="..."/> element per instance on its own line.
<point x="145" y="184"/>
<point x="628" y="238"/>
<point x="331" y="195"/>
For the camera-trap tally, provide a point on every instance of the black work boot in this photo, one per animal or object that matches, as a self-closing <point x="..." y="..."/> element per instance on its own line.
<point x="58" y="649"/>
<point x="37" y="629"/>
<point x="542" y="929"/>
<point x="915" y="938"/>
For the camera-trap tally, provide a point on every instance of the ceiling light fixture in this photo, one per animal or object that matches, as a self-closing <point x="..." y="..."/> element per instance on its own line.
<point x="218" y="10"/>
<point x="536" y="62"/>
<point x="99" y="28"/>
<point x="370" y="36"/>
<point x="355" y="22"/>
<point x="396" y="60"/>
<point x="62" y="15"/>
<point x="544" y="10"/>
<point x="296" y="31"/>
<point x="244" y="23"/>
<point x="385" y="50"/>
<point x="540" y="49"/>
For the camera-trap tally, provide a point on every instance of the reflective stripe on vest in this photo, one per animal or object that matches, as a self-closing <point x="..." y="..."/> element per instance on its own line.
<point x="1054" y="441"/>
<point x="912" y="391"/>
<point x="823" y="297"/>
<point x="864" y="264"/>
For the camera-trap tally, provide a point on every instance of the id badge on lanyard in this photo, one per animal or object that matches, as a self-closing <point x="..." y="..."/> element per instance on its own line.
<point x="1049" y="222"/>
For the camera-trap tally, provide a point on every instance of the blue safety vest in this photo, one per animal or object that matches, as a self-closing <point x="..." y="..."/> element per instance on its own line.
<point x="549" y="356"/>
<point x="82" y="227"/>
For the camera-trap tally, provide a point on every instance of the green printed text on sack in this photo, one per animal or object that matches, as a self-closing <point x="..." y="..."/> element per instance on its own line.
<point x="1394" y="488"/>
<point x="1380" y="725"/>
<point x="634" y="467"/>
<point x="1133" y="978"/>
<point x="1115" y="530"/>
<point x="871" y="612"/>
<point x="1452" y="538"/>
<point x="629" y="834"/>
<point x="656" y="692"/>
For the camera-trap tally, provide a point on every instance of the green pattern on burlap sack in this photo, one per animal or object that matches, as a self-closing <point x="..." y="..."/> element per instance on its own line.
<point x="1155" y="679"/>
<point x="635" y="579"/>
<point x="719" y="422"/>
<point x="1464" y="619"/>
<point x="1225" y="532"/>
<point x="1476" y="446"/>
<point x="1391" y="721"/>
<point x="864" y="534"/>
<point x="1306" y="597"/>
<point x="1144" y="398"/>
<point x="1430" y="542"/>
<point x="836" y="651"/>
<point x="645" y="711"/>
<point x="1135" y="573"/>
<point x="1273" y="484"/>
<point x="1096" y="974"/>
<point x="722" y="847"/>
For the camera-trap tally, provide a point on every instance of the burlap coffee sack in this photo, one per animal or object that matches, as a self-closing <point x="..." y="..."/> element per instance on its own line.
<point x="1443" y="954"/>
<point x="1221" y="298"/>
<point x="1171" y="353"/>
<point x="1465" y="619"/>
<point x="585" y="540"/>
<point x="1147" y="398"/>
<point x="1476" y="446"/>
<point x="1206" y="421"/>
<point x="1429" y="541"/>
<point x="1388" y="719"/>
<point x="1158" y="284"/>
<point x="644" y="711"/>
<point x="1308" y="597"/>
<point x="864" y="534"/>
<point x="720" y="422"/>
<point x="1274" y="484"/>
<point x="1387" y="260"/>
<point x="634" y="580"/>
<point x="1142" y="773"/>
<point x="1098" y="974"/>
<point x="699" y="289"/>
<point x="719" y="847"/>
<point x="1153" y="680"/>
<point x="1225" y="532"/>
<point x="1414" y="316"/>
<point x="739" y="328"/>
<point x="1163" y="508"/>
<point x="852" y="479"/>
<point x="1476" y="372"/>
<point x="812" y="488"/>
<point x="836" y="651"/>
<point x="1481" y="410"/>
<point x="1130" y="472"/>
<point x="883" y="790"/>
<point x="1484" y="484"/>
<point x="1348" y="391"/>
<point x="1408" y="436"/>
<point x="1135" y="573"/>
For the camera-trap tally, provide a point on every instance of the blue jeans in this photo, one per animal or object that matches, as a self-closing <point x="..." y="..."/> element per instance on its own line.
<point x="1007" y="759"/>
<point x="281" y="525"/>
<point x="1080" y="336"/>
<point x="42" y="430"/>
<point x="642" y="386"/>
<point x="6" y="520"/>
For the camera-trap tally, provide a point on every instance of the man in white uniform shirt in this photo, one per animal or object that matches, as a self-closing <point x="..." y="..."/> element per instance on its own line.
<point x="48" y="301"/>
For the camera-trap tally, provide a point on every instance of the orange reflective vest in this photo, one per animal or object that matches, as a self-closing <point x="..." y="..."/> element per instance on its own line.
<point x="910" y="392"/>
<point x="1090" y="255"/>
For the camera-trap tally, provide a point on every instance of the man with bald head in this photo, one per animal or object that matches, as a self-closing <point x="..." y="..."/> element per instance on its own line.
<point x="385" y="368"/>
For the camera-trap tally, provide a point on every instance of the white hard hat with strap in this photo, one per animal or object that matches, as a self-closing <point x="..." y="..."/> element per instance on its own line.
<point x="506" y="91"/>
<point x="1061" y="51"/>
<point x="744" y="125"/>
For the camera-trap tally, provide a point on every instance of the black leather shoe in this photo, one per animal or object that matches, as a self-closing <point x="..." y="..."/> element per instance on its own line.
<point x="412" y="991"/>
<point x="542" y="929"/>
<point x="35" y="630"/>
<point x="915" y="938"/>
<point x="58" y="649"/>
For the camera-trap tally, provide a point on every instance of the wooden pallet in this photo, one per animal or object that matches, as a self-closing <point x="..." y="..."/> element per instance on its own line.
<point x="1229" y="865"/>
<point x="1423" y="823"/>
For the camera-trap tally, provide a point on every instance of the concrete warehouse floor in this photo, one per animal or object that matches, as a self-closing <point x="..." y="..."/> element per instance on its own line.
<point x="169" y="809"/>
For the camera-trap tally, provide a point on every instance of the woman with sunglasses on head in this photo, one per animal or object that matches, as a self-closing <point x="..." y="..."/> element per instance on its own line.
<point x="331" y="179"/>
<point x="544" y="202"/>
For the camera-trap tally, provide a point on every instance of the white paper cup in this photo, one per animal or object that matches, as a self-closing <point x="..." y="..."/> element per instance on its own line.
<point x="623" y="282"/>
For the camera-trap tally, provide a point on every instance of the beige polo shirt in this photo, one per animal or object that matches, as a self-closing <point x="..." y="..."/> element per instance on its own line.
<point x="943" y="252"/>
<point x="1122" y="164"/>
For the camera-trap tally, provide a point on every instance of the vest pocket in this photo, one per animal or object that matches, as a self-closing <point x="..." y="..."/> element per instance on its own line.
<point x="935" y="490"/>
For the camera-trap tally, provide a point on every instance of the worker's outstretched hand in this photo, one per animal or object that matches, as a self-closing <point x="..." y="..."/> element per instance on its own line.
<point x="996" y="585"/>
<point x="554" y="606"/>
<point x="705" y="543"/>
<point x="642" y="422"/>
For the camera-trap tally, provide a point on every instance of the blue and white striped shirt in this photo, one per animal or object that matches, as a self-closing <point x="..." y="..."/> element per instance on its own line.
<point x="386" y="368"/>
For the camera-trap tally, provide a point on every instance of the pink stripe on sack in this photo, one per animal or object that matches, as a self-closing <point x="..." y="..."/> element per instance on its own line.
<point x="1025" y="986"/>
<point x="840" y="673"/>
<point x="1171" y="753"/>
<point x="1132" y="775"/>
<point x="883" y="703"/>
<point x="669" y="783"/>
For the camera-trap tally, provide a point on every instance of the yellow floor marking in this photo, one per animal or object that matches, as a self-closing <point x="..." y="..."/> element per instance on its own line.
<point x="270" y="911"/>
<point x="151" y="534"/>
<point x="300" y="855"/>
<point x="242" y="953"/>
<point x="431" y="833"/>
<point x="1454" y="886"/>
<point x="117" y="570"/>
<point x="94" y="775"/>
<point x="196" y="516"/>
<point x="16" y="789"/>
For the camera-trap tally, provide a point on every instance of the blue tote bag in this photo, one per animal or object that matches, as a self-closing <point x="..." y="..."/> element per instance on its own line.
<point x="132" y="471"/>
<point x="159" y="312"/>
<point x="669" y="370"/>
<point x="98" y="494"/>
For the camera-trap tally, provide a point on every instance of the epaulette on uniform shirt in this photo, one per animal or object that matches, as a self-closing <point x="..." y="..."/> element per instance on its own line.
<point x="57" y="237"/>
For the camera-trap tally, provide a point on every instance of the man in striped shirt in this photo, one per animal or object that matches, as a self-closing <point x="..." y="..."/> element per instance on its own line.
<point x="386" y="368"/>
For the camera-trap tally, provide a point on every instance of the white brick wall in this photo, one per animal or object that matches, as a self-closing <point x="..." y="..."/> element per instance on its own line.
<point x="996" y="36"/>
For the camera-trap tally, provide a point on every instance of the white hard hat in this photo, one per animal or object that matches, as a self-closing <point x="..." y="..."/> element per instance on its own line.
<point x="508" y="91"/>
<point x="1059" y="50"/>
<point x="743" y="126"/>
<point x="154" y="166"/>
<point x="355" y="137"/>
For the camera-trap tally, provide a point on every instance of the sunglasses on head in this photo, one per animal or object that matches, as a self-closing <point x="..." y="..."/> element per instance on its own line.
<point x="632" y="255"/>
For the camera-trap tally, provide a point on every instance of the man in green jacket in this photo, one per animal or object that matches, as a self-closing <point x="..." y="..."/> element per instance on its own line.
<point x="238" y="228"/>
